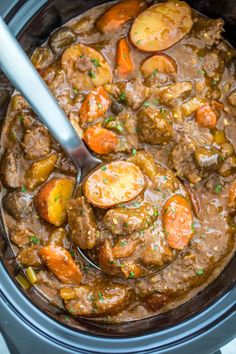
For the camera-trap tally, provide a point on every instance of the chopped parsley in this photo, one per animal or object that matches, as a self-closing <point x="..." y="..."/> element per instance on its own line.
<point x="134" y="152"/>
<point x="156" y="213"/>
<point x="57" y="198"/>
<point x="105" y="180"/>
<point x="201" y="72"/>
<point x="109" y="119"/>
<point x="34" y="239"/>
<point x="139" y="41"/>
<point x="75" y="90"/>
<point x="91" y="74"/>
<point x="95" y="62"/>
<point x="72" y="253"/>
<point x="122" y="97"/>
<point x="126" y="224"/>
<point x="155" y="247"/>
<point x="21" y="118"/>
<point x="146" y="104"/>
<point x="100" y="106"/>
<point x="103" y="168"/>
<point x="119" y="128"/>
<point x="218" y="188"/>
<point x="137" y="205"/>
<point x="100" y="296"/>
<point x="214" y="82"/>
<point x="23" y="189"/>
<point x="155" y="72"/>
<point x="131" y="274"/>
<point x="200" y="271"/>
<point x="123" y="243"/>
<point x="193" y="227"/>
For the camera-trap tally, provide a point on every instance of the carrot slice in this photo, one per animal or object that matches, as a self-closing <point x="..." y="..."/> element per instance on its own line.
<point x="96" y="103"/>
<point x="100" y="140"/>
<point x="177" y="222"/>
<point x="119" y="14"/>
<point x="60" y="263"/>
<point x="118" y="182"/>
<point x="123" y="58"/>
<point x="206" y="117"/>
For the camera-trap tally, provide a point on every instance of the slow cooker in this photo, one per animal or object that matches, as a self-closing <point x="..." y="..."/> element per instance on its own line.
<point x="28" y="322"/>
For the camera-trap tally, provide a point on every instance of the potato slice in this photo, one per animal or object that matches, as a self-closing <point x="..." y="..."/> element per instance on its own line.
<point x="40" y="171"/>
<point x="161" y="26"/>
<point x="160" y="63"/>
<point x="61" y="264"/>
<point x="117" y="182"/>
<point x="51" y="201"/>
<point x="119" y="14"/>
<point x="95" y="72"/>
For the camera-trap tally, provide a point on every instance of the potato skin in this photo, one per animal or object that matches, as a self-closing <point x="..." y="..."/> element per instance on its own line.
<point x="51" y="200"/>
<point x="119" y="182"/>
<point x="61" y="264"/>
<point x="40" y="171"/>
<point x="161" y="26"/>
<point x="163" y="63"/>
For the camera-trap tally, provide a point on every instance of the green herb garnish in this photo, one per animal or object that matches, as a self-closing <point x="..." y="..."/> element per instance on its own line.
<point x="218" y="188"/>
<point x="91" y="74"/>
<point x="200" y="271"/>
<point x="122" y="97"/>
<point x="34" y="239"/>
<point x="131" y="274"/>
<point x="146" y="104"/>
<point x="103" y="168"/>
<point x="21" y="118"/>
<point x="134" y="152"/>
<point x="109" y="119"/>
<point x="23" y="189"/>
<point x="119" y="128"/>
<point x="95" y="62"/>
<point x="100" y="296"/>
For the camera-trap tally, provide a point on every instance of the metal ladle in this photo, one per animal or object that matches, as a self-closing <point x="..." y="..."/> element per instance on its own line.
<point x="23" y="75"/>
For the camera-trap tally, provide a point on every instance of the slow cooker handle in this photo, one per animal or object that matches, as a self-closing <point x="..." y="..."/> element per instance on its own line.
<point x="21" y="72"/>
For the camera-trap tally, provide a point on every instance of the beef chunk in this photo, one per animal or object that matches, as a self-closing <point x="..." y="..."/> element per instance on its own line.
<point x="10" y="169"/>
<point x="156" y="301"/>
<point x="36" y="143"/>
<point x="29" y="256"/>
<point x="125" y="124"/>
<point x="17" y="204"/>
<point x="82" y="223"/>
<point x="213" y="64"/>
<point x="21" y="237"/>
<point x="124" y="221"/>
<point x="208" y="30"/>
<point x="154" y="126"/>
<point x="173" y="92"/>
<point x="97" y="299"/>
<point x="155" y="252"/>
<point x="133" y="93"/>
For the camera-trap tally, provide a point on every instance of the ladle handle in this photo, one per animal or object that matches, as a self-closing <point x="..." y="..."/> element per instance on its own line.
<point x="21" y="72"/>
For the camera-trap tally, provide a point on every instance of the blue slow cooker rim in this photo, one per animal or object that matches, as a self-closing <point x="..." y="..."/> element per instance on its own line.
<point x="206" y="324"/>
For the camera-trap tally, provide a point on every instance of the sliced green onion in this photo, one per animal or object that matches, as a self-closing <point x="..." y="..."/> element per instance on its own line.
<point x="23" y="281"/>
<point x="31" y="275"/>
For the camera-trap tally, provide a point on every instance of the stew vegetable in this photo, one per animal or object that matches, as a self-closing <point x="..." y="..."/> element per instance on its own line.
<point x="152" y="91"/>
